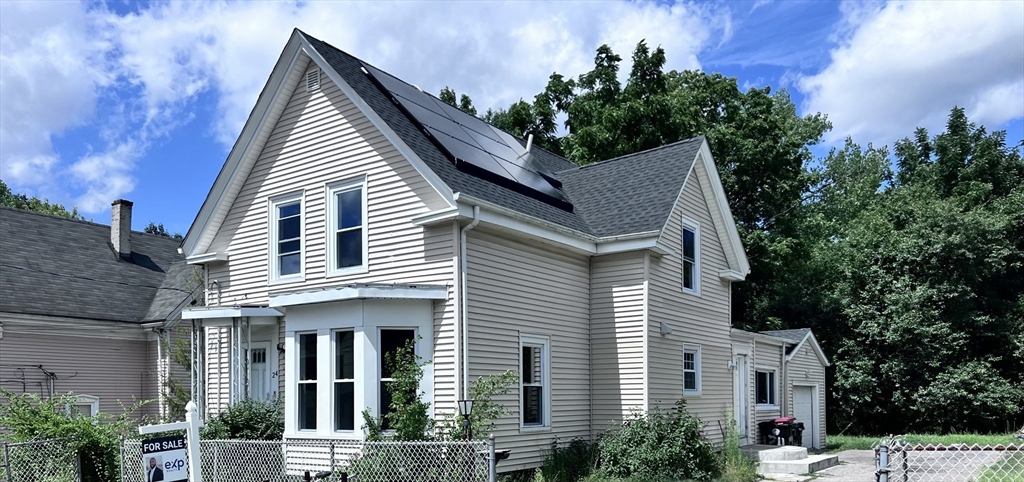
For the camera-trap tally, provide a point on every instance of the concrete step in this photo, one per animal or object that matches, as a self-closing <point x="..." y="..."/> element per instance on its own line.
<point x="787" y="452"/>
<point x="806" y="465"/>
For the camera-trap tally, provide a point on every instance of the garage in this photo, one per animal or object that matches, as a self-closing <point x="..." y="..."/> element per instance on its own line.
<point x="805" y="411"/>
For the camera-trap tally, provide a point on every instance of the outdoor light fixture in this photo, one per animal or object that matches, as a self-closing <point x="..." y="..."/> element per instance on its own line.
<point x="466" y="409"/>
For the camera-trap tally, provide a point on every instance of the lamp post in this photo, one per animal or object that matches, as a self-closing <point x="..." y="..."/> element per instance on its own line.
<point x="466" y="409"/>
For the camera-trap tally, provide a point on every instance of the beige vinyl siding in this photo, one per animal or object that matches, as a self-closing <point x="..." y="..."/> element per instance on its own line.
<point x="322" y="138"/>
<point x="806" y="369"/>
<point x="112" y="369"/>
<point x="516" y="289"/>
<point x="218" y="369"/>
<point x="165" y="369"/>
<point x="694" y="319"/>
<point x="768" y="356"/>
<point x="617" y="302"/>
<point x="745" y="346"/>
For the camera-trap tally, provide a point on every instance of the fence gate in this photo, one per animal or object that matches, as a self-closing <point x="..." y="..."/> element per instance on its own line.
<point x="899" y="461"/>
<point x="43" y="460"/>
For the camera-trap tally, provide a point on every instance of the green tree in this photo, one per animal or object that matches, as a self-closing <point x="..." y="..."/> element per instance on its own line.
<point x="44" y="206"/>
<point x="159" y="230"/>
<point x="464" y="103"/>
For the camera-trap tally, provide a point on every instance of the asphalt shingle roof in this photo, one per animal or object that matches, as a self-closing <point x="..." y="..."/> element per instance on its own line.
<point x="627" y="195"/>
<point x="793" y="336"/>
<point x="63" y="267"/>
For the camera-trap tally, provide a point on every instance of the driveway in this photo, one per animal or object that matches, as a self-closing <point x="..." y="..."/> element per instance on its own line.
<point x="854" y="466"/>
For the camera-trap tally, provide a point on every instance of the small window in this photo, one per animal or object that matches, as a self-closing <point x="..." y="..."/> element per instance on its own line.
<point x="766" y="387"/>
<point x="691" y="256"/>
<point x="286" y="237"/>
<point x="344" y="381"/>
<point x="390" y="341"/>
<point x="347" y="237"/>
<point x="307" y="381"/>
<point x="534" y="384"/>
<point x="691" y="369"/>
<point x="84" y="406"/>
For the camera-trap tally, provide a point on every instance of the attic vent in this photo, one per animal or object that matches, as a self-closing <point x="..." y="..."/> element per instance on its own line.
<point x="312" y="80"/>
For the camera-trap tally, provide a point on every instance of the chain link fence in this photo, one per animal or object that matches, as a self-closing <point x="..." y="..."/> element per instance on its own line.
<point x="899" y="461"/>
<point x="289" y="460"/>
<point x="39" y="461"/>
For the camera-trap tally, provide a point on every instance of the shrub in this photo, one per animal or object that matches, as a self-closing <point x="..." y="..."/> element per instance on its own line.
<point x="736" y="467"/>
<point x="96" y="439"/>
<point x="570" y="462"/>
<point x="249" y="419"/>
<point x="659" y="445"/>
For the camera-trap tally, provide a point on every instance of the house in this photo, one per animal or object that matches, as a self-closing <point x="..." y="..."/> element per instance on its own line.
<point x="88" y="308"/>
<point x="356" y="212"/>
<point x="780" y="373"/>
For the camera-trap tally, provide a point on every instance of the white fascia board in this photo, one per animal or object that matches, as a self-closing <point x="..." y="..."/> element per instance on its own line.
<point x="210" y="313"/>
<point x="652" y="242"/>
<point x="421" y="167"/>
<point x="732" y="235"/>
<point x="759" y="337"/>
<point x="199" y="235"/>
<point x="814" y="346"/>
<point x="731" y="275"/>
<point x="207" y="258"/>
<point x="436" y="217"/>
<point x="420" y="292"/>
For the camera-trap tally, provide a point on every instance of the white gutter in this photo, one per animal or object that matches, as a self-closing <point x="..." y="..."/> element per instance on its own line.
<point x="463" y="302"/>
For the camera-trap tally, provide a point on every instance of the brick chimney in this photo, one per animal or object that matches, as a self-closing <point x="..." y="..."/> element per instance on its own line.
<point x="121" y="227"/>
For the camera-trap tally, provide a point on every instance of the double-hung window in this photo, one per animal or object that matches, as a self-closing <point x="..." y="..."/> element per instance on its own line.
<point x="306" y="392"/>
<point x="391" y="340"/>
<point x="691" y="256"/>
<point x="347" y="235"/>
<point x="344" y="381"/>
<point x="286" y="237"/>
<point x="765" y="387"/>
<point x="534" y="385"/>
<point x="691" y="369"/>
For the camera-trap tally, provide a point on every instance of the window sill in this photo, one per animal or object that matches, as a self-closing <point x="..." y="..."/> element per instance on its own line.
<point x="348" y="271"/>
<point x="762" y="407"/>
<point x="534" y="428"/>
<point x="692" y="393"/>
<point x="324" y="436"/>
<point x="694" y="292"/>
<point x="286" y="280"/>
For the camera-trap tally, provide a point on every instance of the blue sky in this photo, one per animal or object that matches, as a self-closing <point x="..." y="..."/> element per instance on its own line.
<point x="144" y="100"/>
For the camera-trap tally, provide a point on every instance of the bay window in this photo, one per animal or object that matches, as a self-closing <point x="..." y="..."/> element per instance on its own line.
<point x="344" y="381"/>
<point x="307" y="382"/>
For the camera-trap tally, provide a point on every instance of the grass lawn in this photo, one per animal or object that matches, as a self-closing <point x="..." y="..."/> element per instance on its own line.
<point x="1009" y="469"/>
<point x="838" y="443"/>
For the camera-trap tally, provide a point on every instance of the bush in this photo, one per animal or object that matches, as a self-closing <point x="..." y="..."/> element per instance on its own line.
<point x="659" y="445"/>
<point x="736" y="467"/>
<point x="96" y="439"/>
<point x="249" y="419"/>
<point x="569" y="462"/>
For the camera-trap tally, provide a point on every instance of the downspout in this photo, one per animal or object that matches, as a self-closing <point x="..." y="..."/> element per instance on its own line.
<point x="463" y="302"/>
<point x="159" y="374"/>
<point x="784" y="382"/>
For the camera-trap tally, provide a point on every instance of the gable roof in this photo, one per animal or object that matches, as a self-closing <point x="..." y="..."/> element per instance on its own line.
<point x="797" y="338"/>
<point x="629" y="195"/>
<point x="63" y="267"/>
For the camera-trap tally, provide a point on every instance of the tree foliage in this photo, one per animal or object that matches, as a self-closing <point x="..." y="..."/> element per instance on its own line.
<point x="44" y="206"/>
<point x="159" y="230"/>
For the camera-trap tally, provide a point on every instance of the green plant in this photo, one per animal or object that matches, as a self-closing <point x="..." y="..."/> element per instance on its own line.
<point x="659" y="445"/>
<point x="407" y="414"/>
<point x="96" y="439"/>
<point x="570" y="462"/>
<point x="736" y="467"/>
<point x="485" y="409"/>
<point x="249" y="419"/>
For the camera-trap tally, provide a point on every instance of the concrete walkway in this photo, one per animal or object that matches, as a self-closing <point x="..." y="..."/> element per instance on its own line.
<point x="854" y="466"/>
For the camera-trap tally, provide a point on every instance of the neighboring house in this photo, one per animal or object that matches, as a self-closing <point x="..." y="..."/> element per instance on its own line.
<point x="781" y="373"/>
<point x="83" y="305"/>
<point x="356" y="212"/>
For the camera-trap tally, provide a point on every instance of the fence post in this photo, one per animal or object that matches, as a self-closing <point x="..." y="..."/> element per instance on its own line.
<point x="882" y="474"/>
<point x="78" y="466"/>
<point x="492" y="460"/>
<point x="120" y="455"/>
<point x="332" y="456"/>
<point x="195" y="467"/>
<point x="7" y="463"/>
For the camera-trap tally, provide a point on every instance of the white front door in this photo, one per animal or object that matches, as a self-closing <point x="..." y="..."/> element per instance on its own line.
<point x="742" y="402"/>
<point x="804" y="411"/>
<point x="259" y="375"/>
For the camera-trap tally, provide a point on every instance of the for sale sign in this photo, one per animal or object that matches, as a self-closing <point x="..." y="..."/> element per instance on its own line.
<point x="163" y="459"/>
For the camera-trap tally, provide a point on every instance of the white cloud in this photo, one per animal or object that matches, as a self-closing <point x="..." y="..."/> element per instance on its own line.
<point x="154" y="63"/>
<point x="906" y="64"/>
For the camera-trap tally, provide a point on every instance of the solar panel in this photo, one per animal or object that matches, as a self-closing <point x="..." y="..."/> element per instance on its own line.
<point x="473" y="145"/>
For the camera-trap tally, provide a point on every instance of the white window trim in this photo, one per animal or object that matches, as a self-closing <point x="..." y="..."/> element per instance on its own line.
<point x="695" y="227"/>
<point x="273" y="271"/>
<point x="775" y="393"/>
<point x="545" y="343"/>
<point x="271" y="368"/>
<point x="315" y="381"/>
<point x="332" y="227"/>
<point x="696" y="350"/>
<point x="335" y="380"/>
<point x="87" y="401"/>
<point x="363" y="317"/>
